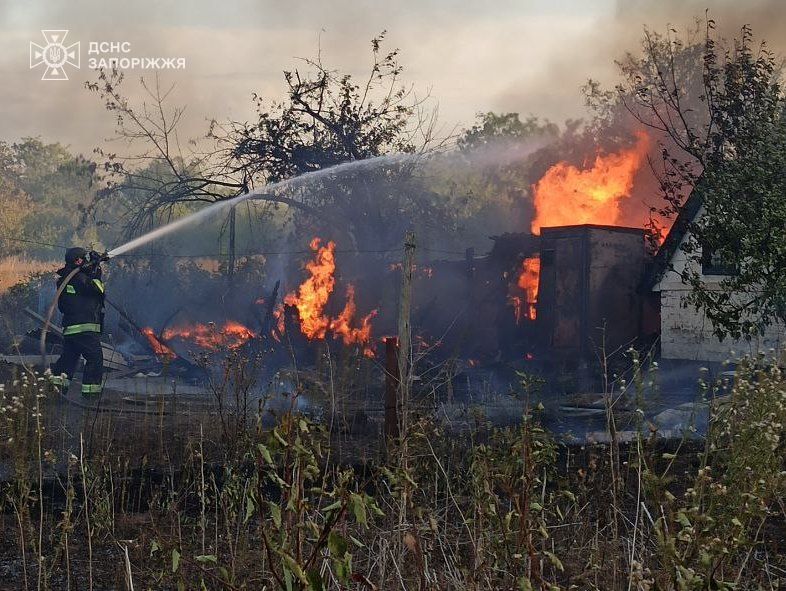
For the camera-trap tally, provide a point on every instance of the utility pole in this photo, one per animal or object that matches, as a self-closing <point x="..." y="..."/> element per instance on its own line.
<point x="404" y="372"/>
<point x="405" y="328"/>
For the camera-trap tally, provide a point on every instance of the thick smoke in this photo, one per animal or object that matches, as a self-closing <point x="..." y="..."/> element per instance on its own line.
<point x="554" y="90"/>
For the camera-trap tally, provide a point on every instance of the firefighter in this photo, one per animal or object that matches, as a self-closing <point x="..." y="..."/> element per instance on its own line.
<point x="82" y="304"/>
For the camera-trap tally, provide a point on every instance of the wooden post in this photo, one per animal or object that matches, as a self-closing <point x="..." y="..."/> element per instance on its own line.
<point x="405" y="328"/>
<point x="391" y="389"/>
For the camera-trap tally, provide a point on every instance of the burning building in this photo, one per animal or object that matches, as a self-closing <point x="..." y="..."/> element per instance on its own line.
<point x="590" y="289"/>
<point x="560" y="296"/>
<point x="569" y="288"/>
<point x="554" y="295"/>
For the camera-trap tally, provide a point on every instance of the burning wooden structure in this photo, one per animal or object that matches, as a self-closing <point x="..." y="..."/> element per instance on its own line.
<point x="562" y="296"/>
<point x="555" y="296"/>
<point x="590" y="297"/>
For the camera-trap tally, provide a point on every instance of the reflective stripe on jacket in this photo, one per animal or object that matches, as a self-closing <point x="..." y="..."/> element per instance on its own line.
<point x="81" y="302"/>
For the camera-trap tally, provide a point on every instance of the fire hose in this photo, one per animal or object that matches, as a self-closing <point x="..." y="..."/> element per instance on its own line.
<point x="95" y="258"/>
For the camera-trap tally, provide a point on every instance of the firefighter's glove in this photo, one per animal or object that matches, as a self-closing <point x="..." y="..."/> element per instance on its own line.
<point x="93" y="265"/>
<point x="92" y="269"/>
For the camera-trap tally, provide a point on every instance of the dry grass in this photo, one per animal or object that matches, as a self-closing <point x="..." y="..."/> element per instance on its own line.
<point x="14" y="269"/>
<point x="228" y="502"/>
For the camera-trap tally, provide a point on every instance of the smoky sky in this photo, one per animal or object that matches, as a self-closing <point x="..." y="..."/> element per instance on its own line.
<point x="526" y="56"/>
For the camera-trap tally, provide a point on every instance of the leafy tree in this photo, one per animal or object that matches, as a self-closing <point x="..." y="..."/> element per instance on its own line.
<point x="488" y="180"/>
<point x="14" y="202"/>
<point x="328" y="118"/>
<point x="505" y="128"/>
<point x="724" y="157"/>
<point x="43" y="192"/>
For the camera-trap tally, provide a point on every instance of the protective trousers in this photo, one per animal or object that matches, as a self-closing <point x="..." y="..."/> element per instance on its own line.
<point x="87" y="345"/>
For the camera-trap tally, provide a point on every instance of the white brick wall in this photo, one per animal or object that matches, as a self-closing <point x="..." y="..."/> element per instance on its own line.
<point x="687" y="334"/>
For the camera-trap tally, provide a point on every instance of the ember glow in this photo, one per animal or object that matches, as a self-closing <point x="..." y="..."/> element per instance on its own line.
<point x="569" y="196"/>
<point x="311" y="299"/>
<point x="427" y="272"/>
<point x="423" y="345"/>
<point x="159" y="348"/>
<point x="212" y="337"/>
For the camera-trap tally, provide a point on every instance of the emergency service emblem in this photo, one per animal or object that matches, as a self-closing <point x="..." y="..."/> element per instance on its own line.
<point x="54" y="55"/>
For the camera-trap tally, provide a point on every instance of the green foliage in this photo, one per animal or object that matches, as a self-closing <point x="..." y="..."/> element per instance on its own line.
<point x="488" y="182"/>
<point x="312" y="506"/>
<point x="719" y="115"/>
<point x="508" y="128"/>
<point x="327" y="118"/>
<point x="737" y="489"/>
<point x="14" y="202"/>
<point x="43" y="191"/>
<point x="742" y="192"/>
<point x="508" y="476"/>
<point x="499" y="508"/>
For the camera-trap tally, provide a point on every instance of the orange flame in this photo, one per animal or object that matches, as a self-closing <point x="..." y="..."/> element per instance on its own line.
<point x="341" y="326"/>
<point x="232" y="335"/>
<point x="312" y="298"/>
<point x="524" y="301"/>
<point x="278" y="315"/>
<point x="159" y="348"/>
<point x="312" y="295"/>
<point x="528" y="282"/>
<point x="567" y="195"/>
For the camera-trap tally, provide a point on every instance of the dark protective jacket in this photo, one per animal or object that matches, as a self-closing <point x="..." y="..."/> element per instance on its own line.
<point x="82" y="301"/>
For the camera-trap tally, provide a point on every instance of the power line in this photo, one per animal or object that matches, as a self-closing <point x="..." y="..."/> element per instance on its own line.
<point x="462" y="252"/>
<point x="28" y="241"/>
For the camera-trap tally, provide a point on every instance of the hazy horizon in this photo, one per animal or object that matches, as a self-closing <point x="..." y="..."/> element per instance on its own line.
<point x="526" y="57"/>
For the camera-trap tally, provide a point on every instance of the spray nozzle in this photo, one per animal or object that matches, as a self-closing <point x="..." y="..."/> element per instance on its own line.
<point x="95" y="258"/>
